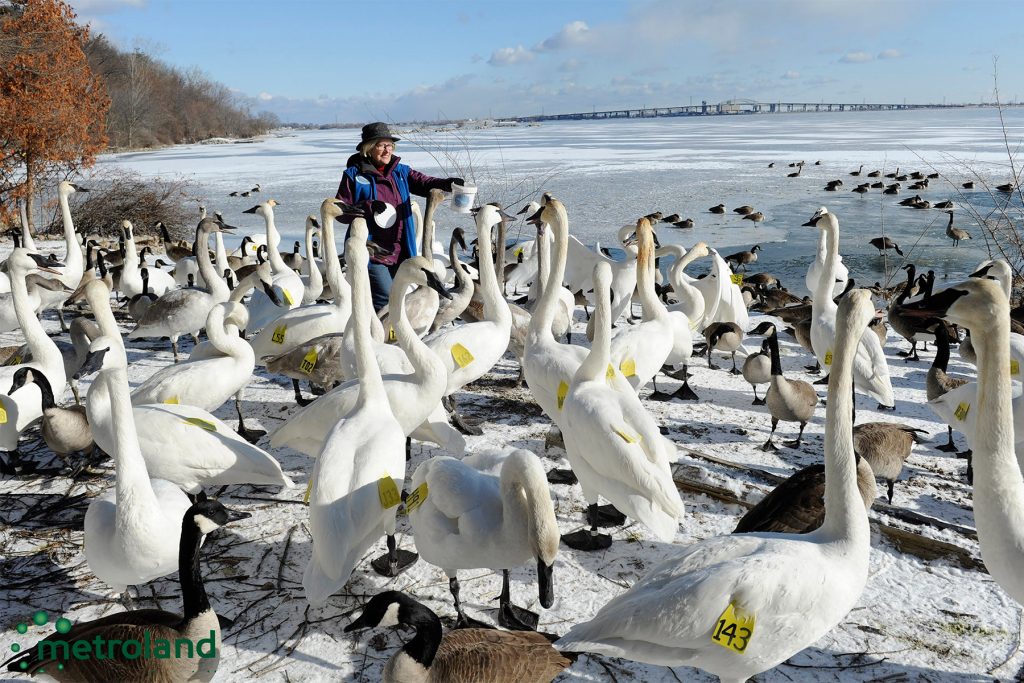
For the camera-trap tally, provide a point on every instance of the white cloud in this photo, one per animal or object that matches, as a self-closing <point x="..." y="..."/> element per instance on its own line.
<point x="101" y="6"/>
<point x="573" y="33"/>
<point x="570" y="65"/>
<point x="856" y="58"/>
<point x="264" y="97"/>
<point x="508" y="56"/>
<point x="890" y="54"/>
<point x="791" y="75"/>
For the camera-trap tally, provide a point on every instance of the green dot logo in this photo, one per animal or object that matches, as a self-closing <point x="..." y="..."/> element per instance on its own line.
<point x="39" y="618"/>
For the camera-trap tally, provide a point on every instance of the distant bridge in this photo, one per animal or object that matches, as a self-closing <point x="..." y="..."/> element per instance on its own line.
<point x="729" y="108"/>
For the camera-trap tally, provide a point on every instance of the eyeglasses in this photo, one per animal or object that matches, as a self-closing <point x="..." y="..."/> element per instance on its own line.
<point x="384" y="145"/>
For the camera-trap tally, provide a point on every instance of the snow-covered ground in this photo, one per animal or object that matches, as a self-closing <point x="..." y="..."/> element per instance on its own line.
<point x="929" y="612"/>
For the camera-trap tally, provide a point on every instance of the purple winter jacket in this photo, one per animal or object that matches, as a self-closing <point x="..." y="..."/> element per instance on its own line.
<point x="390" y="239"/>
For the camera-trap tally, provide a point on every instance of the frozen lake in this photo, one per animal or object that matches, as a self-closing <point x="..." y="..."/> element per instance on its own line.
<point x="610" y="172"/>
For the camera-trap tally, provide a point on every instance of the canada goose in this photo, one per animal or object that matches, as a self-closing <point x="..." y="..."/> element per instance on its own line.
<point x="757" y="217"/>
<point x="861" y="189"/>
<point x="857" y="172"/>
<point x="955" y="234"/>
<point x="669" y="617"/>
<point x="138" y="304"/>
<point x="923" y="204"/>
<point x="236" y="263"/>
<point x="938" y="383"/>
<point x="796" y="174"/>
<point x="874" y="174"/>
<point x="894" y="174"/>
<point x="184" y="311"/>
<point x="613" y="444"/>
<point x="893" y="189"/>
<point x="904" y="325"/>
<point x="685" y="224"/>
<point x="654" y="217"/>
<point x="294" y="259"/>
<point x="743" y="210"/>
<point x="472" y="654"/>
<point x="65" y="429"/>
<point x="744" y="258"/>
<point x="968" y="185"/>
<point x="948" y="204"/>
<point x="255" y="188"/>
<point x="886" y="446"/>
<point x="757" y="369"/>
<point x="797" y="505"/>
<point x="910" y="201"/>
<point x="198" y="624"/>
<point x="172" y="250"/>
<point x="788" y="400"/>
<point x="870" y="369"/>
<point x="489" y="510"/>
<point x="726" y="337"/>
<point x="671" y="218"/>
<point x="884" y="243"/>
<point x="1007" y="187"/>
<point x="833" y="185"/>
<point x="720" y="208"/>
<point x="981" y="306"/>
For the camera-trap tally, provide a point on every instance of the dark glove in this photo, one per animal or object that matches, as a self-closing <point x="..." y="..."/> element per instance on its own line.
<point x="455" y="181"/>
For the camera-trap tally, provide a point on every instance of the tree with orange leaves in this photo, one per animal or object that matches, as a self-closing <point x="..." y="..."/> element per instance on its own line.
<point x="53" y="108"/>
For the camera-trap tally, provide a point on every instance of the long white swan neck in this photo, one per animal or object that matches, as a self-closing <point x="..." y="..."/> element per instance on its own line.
<point x="845" y="518"/>
<point x="544" y="314"/>
<point x="98" y="297"/>
<point x="524" y="489"/>
<point x="652" y="307"/>
<point x="422" y="359"/>
<point x="995" y="464"/>
<point x="133" y="488"/>
<point x="273" y="242"/>
<point x="315" y="278"/>
<point x="220" y="253"/>
<point x="495" y="307"/>
<point x="371" y="386"/>
<point x="338" y="284"/>
<point x="131" y="255"/>
<point x="595" y="365"/>
<point x="73" y="261"/>
<point x="218" y="334"/>
<point x="823" y="292"/>
<point x="43" y="348"/>
<point x="427" y="243"/>
<point x="214" y="282"/>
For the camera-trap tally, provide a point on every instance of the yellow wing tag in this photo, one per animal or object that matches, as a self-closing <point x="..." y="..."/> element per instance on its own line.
<point x="3" y="414"/>
<point x="287" y="297"/>
<point x="172" y="401"/>
<point x="15" y="361"/>
<point x="610" y="374"/>
<point x="416" y="498"/>
<point x="563" y="389"/>
<point x="733" y="630"/>
<point x="518" y="252"/>
<point x="461" y="355"/>
<point x="391" y="335"/>
<point x="388" y="493"/>
<point x="279" y="332"/>
<point x="737" y="278"/>
<point x="628" y="367"/>
<point x="961" y="411"/>
<point x="1014" y="367"/>
<point x="627" y="437"/>
<point x="828" y="358"/>
<point x="201" y="423"/>
<point x="309" y="490"/>
<point x="308" y="362"/>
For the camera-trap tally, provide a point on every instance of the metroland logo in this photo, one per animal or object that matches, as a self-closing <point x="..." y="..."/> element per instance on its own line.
<point x="64" y="647"/>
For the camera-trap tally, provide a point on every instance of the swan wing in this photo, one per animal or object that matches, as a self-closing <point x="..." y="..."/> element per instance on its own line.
<point x="871" y="370"/>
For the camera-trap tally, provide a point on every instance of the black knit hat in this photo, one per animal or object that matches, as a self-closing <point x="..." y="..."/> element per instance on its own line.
<point x="376" y="131"/>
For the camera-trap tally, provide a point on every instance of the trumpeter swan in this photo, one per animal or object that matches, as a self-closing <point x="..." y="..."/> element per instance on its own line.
<point x="131" y="277"/>
<point x="738" y="605"/>
<point x="74" y="265"/>
<point x="312" y="278"/>
<point x="288" y="284"/>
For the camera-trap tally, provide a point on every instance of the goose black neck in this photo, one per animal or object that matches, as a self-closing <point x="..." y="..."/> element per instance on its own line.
<point x="929" y="285"/>
<point x="166" y="235"/>
<point x="911" y="272"/>
<point x="88" y="256"/>
<point x="193" y="593"/>
<point x="773" y="345"/>
<point x="102" y="264"/>
<point x="145" y="280"/>
<point x="941" y="348"/>
<point x="45" y="389"/>
<point x="423" y="646"/>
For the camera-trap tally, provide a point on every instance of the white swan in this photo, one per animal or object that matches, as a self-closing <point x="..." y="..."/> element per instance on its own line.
<point x="287" y="283"/>
<point x="981" y="306"/>
<point x="870" y="369"/>
<point x="292" y="328"/>
<point x="580" y="267"/>
<point x="686" y="315"/>
<point x="613" y="444"/>
<point x="817" y="269"/>
<point x="640" y="350"/>
<point x="74" y="263"/>
<point x="132" y="530"/>
<point x="468" y="351"/>
<point x="160" y="282"/>
<point x="312" y="279"/>
<point x="184" y="311"/>
<point x="19" y="411"/>
<point x="414" y="397"/>
<point x="738" y="605"/>
<point x="356" y="481"/>
<point x="723" y="300"/>
<point x="489" y="510"/>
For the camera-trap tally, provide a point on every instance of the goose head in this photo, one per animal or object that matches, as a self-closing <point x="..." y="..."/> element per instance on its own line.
<point x="387" y="608"/>
<point x="974" y="304"/>
<point x="766" y="328"/>
<point x="209" y="515"/>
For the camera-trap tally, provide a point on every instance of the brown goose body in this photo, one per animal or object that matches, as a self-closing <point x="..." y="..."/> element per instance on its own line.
<point x="886" y="446"/>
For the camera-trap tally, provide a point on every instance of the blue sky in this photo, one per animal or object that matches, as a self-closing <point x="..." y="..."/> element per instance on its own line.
<point x="318" y="61"/>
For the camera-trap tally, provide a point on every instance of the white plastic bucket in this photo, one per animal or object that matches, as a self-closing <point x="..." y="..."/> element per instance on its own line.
<point x="462" y="197"/>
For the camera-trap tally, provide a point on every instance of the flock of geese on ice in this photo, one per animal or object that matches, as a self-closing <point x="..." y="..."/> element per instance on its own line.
<point x="732" y="605"/>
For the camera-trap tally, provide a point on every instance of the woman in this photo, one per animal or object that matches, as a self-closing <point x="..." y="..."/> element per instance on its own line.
<point x="374" y="172"/>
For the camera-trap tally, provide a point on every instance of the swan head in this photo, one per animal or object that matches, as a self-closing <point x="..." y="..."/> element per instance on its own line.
<point x="22" y="262"/>
<point x="998" y="270"/>
<point x="419" y="270"/>
<point x="975" y="304"/>
<point x="331" y="209"/>
<point x="210" y="225"/>
<point x="489" y="215"/>
<point x="66" y="188"/>
<point x="126" y="229"/>
<point x="602" y="276"/>
<point x="529" y="210"/>
<point x="265" y="209"/>
<point x="104" y="354"/>
<point x="700" y="250"/>
<point x="209" y="515"/>
<point x="459" y="237"/>
<point x="815" y="221"/>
